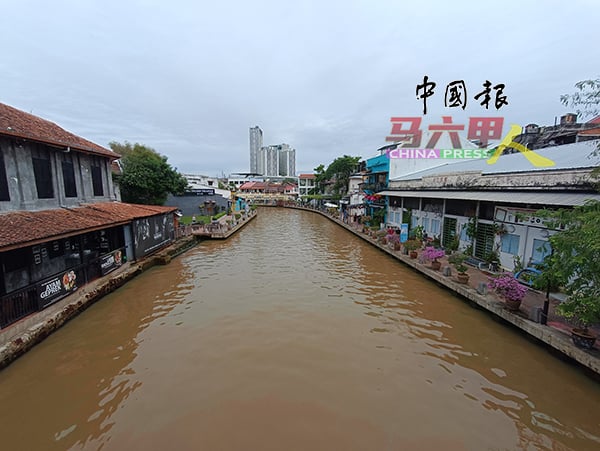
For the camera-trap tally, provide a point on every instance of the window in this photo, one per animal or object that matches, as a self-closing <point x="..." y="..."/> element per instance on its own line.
<point x="414" y="221"/>
<point x="56" y="249"/>
<point x="449" y="231"/>
<point x="97" y="181"/>
<point x="484" y="240"/>
<point x="541" y="249"/>
<point x="425" y="224"/>
<point x="435" y="227"/>
<point x="42" y="171"/>
<point x="16" y="259"/>
<point x="510" y="243"/>
<point x="463" y="232"/>
<point x="69" y="179"/>
<point x="4" y="194"/>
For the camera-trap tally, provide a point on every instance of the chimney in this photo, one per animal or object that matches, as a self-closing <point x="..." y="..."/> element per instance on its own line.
<point x="568" y="119"/>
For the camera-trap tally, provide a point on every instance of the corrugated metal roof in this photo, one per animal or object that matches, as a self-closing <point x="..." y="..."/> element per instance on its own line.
<point x="521" y="197"/>
<point x="568" y="156"/>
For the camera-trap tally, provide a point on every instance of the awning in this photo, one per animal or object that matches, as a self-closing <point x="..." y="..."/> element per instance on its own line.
<point x="521" y="197"/>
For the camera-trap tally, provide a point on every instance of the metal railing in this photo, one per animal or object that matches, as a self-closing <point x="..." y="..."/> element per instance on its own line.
<point x="17" y="305"/>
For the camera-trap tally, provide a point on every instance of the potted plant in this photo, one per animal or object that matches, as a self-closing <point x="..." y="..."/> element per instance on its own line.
<point x="417" y="233"/>
<point x="583" y="309"/>
<point x="458" y="261"/>
<point x="493" y="260"/>
<point x="452" y="245"/>
<point x="394" y="240"/>
<point x="432" y="254"/>
<point x="412" y="246"/>
<point x="508" y="288"/>
<point x="574" y="265"/>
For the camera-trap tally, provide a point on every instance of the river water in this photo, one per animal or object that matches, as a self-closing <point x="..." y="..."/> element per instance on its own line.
<point x="291" y="335"/>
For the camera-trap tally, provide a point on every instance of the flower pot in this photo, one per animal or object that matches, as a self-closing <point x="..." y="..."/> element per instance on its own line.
<point x="397" y="246"/>
<point x="512" y="305"/>
<point x="582" y="339"/>
<point x="462" y="277"/>
<point x="413" y="254"/>
<point x="435" y="265"/>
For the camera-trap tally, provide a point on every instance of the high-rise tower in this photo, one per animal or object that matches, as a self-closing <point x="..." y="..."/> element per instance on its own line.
<point x="256" y="142"/>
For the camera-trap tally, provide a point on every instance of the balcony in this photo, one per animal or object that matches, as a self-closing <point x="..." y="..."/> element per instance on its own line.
<point x="372" y="188"/>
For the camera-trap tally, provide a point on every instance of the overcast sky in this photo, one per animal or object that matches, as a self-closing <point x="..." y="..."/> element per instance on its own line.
<point x="189" y="78"/>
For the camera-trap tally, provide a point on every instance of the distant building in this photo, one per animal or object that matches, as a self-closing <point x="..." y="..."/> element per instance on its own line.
<point x="287" y="161"/>
<point x="568" y="131"/>
<point x="202" y="197"/>
<point x="273" y="160"/>
<point x="268" y="164"/>
<point x="268" y="191"/>
<point x="306" y="184"/>
<point x="256" y="143"/>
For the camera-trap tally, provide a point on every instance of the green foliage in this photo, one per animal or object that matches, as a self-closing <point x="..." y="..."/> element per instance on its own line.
<point x="587" y="102"/>
<point x="412" y="245"/>
<point x="471" y="228"/>
<point x="338" y="172"/>
<point x="146" y="176"/>
<point x="416" y="233"/>
<point x="518" y="264"/>
<point x="586" y="99"/>
<point x="575" y="261"/>
<point x="457" y="260"/>
<point x="492" y="257"/>
<point x="379" y="216"/>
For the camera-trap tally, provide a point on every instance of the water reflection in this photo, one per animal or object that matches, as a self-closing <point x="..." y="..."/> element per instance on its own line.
<point x="292" y="334"/>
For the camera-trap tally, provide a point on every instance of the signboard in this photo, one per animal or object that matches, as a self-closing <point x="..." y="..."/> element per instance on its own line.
<point x="205" y="192"/>
<point x="110" y="262"/>
<point x="57" y="288"/>
<point x="150" y="234"/>
<point x="403" y="232"/>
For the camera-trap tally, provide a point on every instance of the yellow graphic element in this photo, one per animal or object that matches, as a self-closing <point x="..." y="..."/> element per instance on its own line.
<point x="534" y="158"/>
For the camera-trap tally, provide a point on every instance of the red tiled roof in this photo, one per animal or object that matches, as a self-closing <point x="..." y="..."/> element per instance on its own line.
<point x="594" y="120"/>
<point x="306" y="176"/>
<point x="20" y="124"/>
<point x="26" y="228"/>
<point x="590" y="131"/>
<point x="254" y="185"/>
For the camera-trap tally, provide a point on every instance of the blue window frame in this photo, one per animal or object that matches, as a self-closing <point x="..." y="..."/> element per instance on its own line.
<point x="541" y="248"/>
<point x="510" y="243"/>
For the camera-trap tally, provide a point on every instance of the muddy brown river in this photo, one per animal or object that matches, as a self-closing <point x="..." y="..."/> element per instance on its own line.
<point x="291" y="335"/>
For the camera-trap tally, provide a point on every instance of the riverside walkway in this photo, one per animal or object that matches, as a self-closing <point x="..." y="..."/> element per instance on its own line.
<point x="224" y="227"/>
<point x="555" y="335"/>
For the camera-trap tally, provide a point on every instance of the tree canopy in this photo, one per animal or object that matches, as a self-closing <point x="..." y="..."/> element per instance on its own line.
<point x="586" y="99"/>
<point x="146" y="176"/>
<point x="338" y="172"/>
<point x="575" y="261"/>
<point x="575" y="258"/>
